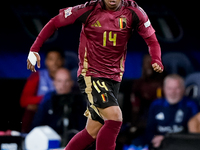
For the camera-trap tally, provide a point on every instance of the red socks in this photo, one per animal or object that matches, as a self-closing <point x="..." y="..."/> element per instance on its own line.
<point x="107" y="135"/>
<point x="80" y="141"/>
<point x="105" y="139"/>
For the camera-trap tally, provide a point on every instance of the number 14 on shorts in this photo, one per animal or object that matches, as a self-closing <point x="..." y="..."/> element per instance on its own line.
<point x="104" y="96"/>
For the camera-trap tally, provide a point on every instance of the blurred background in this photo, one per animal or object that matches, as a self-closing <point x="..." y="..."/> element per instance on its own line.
<point x="177" y="29"/>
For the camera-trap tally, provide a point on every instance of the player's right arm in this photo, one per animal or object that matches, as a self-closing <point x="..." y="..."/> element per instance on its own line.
<point x="65" y="17"/>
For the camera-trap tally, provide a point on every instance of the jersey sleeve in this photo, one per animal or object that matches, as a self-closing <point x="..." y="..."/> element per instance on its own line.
<point x="154" y="50"/>
<point x="74" y="14"/>
<point x="144" y="27"/>
<point x="65" y="17"/>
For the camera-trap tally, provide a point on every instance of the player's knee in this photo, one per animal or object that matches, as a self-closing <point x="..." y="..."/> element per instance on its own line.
<point x="114" y="114"/>
<point x="93" y="132"/>
<point x="117" y="116"/>
<point x="93" y="128"/>
<point x="94" y="136"/>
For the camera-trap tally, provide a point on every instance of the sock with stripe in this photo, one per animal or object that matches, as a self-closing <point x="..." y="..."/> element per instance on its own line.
<point x="107" y="135"/>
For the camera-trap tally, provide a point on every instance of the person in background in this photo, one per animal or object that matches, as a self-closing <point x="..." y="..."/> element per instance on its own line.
<point x="171" y="113"/>
<point x="194" y="124"/>
<point x="61" y="109"/>
<point x="144" y="91"/>
<point x="38" y="84"/>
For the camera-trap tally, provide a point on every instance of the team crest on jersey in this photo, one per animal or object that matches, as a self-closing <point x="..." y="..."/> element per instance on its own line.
<point x="122" y="23"/>
<point x="68" y="12"/>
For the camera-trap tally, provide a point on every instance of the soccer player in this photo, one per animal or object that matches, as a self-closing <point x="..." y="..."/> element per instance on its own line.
<point x="106" y="28"/>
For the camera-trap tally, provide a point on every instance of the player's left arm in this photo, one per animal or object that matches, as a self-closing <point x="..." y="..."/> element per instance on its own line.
<point x="155" y="53"/>
<point x="147" y="32"/>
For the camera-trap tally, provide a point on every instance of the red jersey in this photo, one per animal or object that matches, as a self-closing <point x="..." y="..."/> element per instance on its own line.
<point x="104" y="36"/>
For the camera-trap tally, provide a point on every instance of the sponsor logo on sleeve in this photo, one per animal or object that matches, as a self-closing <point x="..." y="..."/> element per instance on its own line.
<point x="147" y="24"/>
<point x="68" y="12"/>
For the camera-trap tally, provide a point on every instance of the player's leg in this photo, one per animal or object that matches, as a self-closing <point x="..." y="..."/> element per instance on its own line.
<point x="93" y="127"/>
<point x="83" y="139"/>
<point x="107" y="135"/>
<point x="111" y="113"/>
<point x="86" y="137"/>
<point x="103" y="107"/>
<point x="105" y="93"/>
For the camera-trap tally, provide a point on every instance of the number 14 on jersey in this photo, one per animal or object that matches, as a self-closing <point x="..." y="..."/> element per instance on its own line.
<point x="111" y="37"/>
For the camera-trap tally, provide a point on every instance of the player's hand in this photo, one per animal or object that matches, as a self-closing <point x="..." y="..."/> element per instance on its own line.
<point x="33" y="57"/>
<point x="157" y="68"/>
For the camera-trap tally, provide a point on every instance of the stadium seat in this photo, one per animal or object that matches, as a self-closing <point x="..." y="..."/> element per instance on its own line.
<point x="178" y="63"/>
<point x="71" y="60"/>
<point x="72" y="63"/>
<point x="181" y="142"/>
<point x="192" y="83"/>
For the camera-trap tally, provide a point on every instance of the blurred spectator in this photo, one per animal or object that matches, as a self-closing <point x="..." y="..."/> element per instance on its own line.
<point x="61" y="109"/>
<point x="38" y="84"/>
<point x="171" y="113"/>
<point x="145" y="90"/>
<point x="194" y="124"/>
